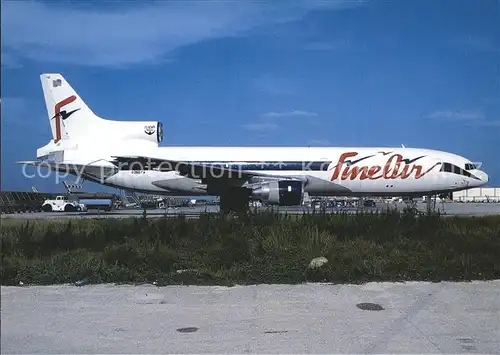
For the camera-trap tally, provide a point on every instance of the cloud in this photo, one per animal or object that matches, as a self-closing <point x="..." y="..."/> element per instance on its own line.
<point x="272" y="85"/>
<point x="489" y="123"/>
<point x="267" y="123"/>
<point x="143" y="32"/>
<point x="484" y="123"/>
<point x="324" y="46"/>
<point x="261" y="126"/>
<point x="15" y="111"/>
<point x="492" y="100"/>
<point x="294" y="113"/>
<point x="9" y="61"/>
<point x="477" y="44"/>
<point x="469" y="118"/>
<point x="320" y="142"/>
<point x="16" y="115"/>
<point x="456" y="115"/>
<point x="11" y="105"/>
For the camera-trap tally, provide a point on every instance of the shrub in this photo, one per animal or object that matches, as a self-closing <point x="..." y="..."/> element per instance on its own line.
<point x="255" y="248"/>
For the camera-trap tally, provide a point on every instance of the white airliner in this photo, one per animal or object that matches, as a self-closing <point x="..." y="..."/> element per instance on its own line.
<point x="127" y="155"/>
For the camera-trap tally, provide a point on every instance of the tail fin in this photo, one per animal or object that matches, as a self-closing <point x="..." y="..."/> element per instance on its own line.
<point x="68" y="113"/>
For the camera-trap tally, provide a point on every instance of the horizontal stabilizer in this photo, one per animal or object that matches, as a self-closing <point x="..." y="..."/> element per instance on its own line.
<point x="94" y="171"/>
<point x="28" y="162"/>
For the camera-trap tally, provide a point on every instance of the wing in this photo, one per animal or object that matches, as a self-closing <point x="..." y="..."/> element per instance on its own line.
<point x="195" y="170"/>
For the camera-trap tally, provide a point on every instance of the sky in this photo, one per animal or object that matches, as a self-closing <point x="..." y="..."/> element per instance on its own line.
<point x="324" y="73"/>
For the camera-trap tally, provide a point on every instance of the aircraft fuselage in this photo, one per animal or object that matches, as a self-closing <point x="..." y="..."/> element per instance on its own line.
<point x="325" y="171"/>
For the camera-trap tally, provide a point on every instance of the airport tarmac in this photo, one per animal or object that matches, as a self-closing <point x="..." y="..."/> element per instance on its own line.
<point x="450" y="209"/>
<point x="415" y="317"/>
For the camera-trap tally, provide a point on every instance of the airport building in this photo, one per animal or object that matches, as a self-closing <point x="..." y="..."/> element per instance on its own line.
<point x="478" y="194"/>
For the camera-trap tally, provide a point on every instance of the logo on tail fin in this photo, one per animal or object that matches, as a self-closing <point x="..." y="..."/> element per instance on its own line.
<point x="149" y="129"/>
<point x="62" y="115"/>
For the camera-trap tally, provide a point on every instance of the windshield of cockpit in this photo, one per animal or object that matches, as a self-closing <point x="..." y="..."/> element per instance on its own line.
<point x="471" y="166"/>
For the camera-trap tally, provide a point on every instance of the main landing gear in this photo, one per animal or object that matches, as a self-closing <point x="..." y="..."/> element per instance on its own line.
<point x="431" y="202"/>
<point x="411" y="204"/>
<point x="234" y="200"/>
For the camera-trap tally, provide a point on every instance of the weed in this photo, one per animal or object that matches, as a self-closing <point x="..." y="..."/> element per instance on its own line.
<point x="256" y="248"/>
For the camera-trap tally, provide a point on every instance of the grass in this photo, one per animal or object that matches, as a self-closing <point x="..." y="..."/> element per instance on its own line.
<point x="258" y="248"/>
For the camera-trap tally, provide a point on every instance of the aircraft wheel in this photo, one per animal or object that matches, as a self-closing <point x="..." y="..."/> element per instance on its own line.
<point x="69" y="208"/>
<point x="235" y="200"/>
<point x="47" y="208"/>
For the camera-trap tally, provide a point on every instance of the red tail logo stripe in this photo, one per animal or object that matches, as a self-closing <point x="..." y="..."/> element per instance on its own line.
<point x="57" y="115"/>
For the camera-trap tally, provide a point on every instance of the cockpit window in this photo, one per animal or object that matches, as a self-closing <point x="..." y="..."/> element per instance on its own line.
<point x="450" y="168"/>
<point x="470" y="167"/>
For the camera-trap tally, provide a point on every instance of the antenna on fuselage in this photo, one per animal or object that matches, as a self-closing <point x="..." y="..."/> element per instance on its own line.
<point x="402" y="145"/>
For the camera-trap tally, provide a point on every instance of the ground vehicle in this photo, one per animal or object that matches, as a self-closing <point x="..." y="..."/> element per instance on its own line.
<point x="62" y="203"/>
<point x="97" y="204"/>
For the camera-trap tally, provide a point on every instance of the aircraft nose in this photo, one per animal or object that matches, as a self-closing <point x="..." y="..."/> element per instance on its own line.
<point x="483" y="176"/>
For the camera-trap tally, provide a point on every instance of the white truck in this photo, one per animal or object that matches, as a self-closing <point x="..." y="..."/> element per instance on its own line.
<point x="62" y="204"/>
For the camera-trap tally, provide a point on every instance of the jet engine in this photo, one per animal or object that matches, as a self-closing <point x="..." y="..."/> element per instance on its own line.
<point x="280" y="192"/>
